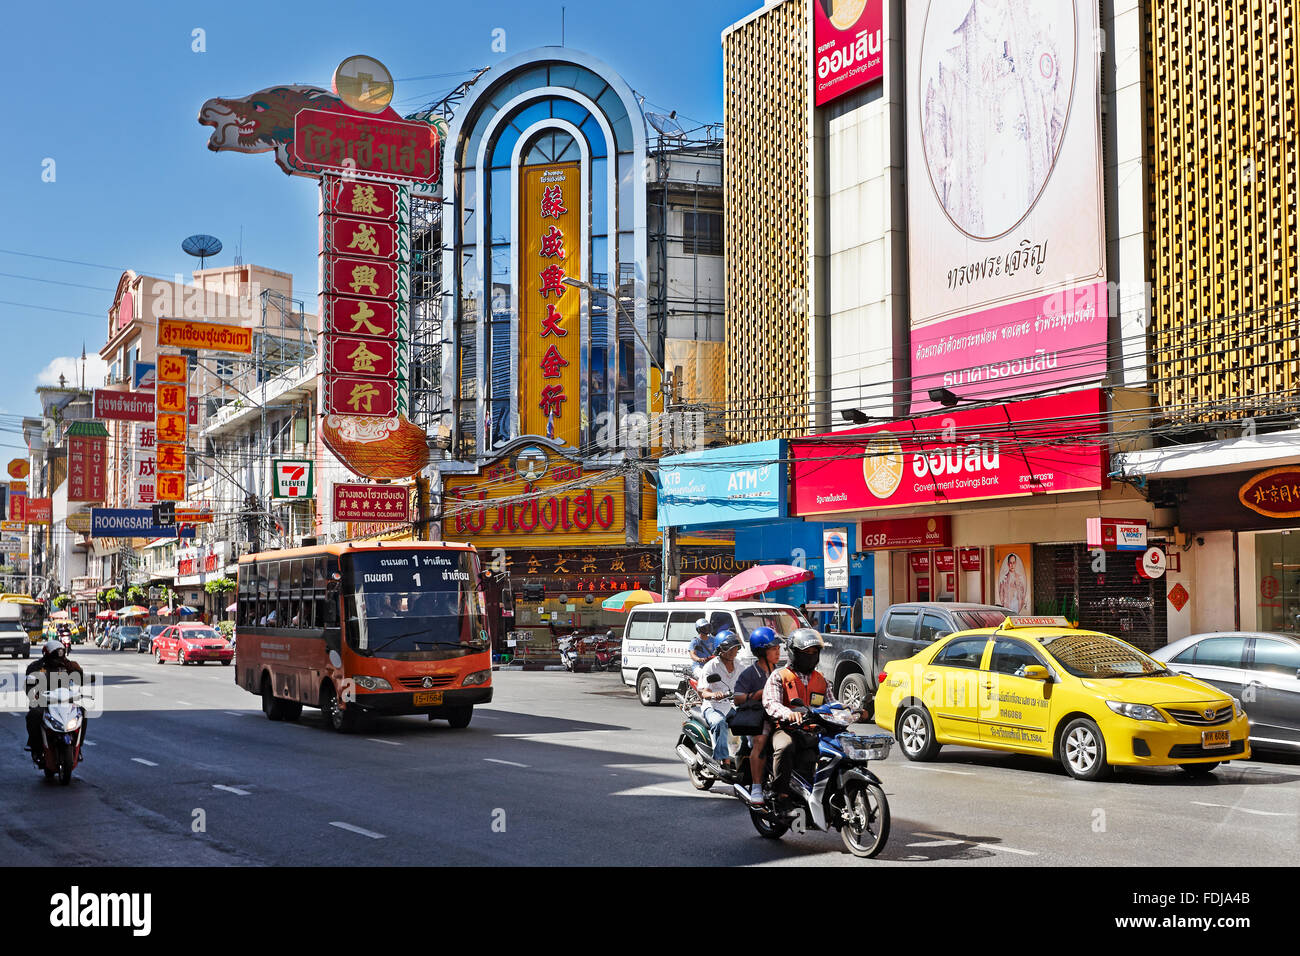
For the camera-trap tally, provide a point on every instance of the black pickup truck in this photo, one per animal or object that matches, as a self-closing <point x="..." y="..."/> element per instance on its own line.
<point x="851" y="661"/>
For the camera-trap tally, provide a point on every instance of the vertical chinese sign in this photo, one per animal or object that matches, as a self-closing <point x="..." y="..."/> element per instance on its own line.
<point x="87" y="461"/>
<point x="171" y="406"/>
<point x="144" y="465"/>
<point x="365" y="296"/>
<point x="549" y="333"/>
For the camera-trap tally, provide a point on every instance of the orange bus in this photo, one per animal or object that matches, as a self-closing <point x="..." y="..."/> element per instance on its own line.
<point x="369" y="628"/>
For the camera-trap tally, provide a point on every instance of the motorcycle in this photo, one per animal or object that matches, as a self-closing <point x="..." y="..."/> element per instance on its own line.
<point x="838" y="792"/>
<point x="695" y="747"/>
<point x="687" y="692"/>
<point x="569" y="651"/>
<point x="608" y="655"/>
<point x="63" y="730"/>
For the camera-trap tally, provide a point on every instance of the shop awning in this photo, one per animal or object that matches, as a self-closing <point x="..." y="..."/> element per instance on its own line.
<point x="1211" y="457"/>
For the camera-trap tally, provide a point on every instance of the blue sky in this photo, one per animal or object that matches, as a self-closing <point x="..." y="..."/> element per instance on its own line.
<point x="111" y="92"/>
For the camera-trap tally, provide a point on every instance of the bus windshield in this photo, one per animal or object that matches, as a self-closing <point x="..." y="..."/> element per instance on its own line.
<point x="415" y="605"/>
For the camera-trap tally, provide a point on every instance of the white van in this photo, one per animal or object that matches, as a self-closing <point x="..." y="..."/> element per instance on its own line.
<point x="658" y="636"/>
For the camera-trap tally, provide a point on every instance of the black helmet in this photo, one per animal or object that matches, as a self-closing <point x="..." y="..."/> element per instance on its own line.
<point x="805" y="647"/>
<point x="702" y="626"/>
<point x="727" y="641"/>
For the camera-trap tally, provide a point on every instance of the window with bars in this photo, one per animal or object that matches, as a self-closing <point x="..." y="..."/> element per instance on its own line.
<point x="702" y="233"/>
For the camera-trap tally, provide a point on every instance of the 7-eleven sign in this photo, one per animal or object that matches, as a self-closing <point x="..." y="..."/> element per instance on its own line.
<point x="292" y="479"/>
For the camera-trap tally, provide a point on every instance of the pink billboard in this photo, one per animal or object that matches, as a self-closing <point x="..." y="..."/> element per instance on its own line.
<point x="1002" y="451"/>
<point x="848" y="37"/>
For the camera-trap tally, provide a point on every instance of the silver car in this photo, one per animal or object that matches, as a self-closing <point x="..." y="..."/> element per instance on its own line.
<point x="1259" y="668"/>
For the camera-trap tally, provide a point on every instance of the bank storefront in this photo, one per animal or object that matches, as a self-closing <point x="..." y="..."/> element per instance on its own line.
<point x="991" y="505"/>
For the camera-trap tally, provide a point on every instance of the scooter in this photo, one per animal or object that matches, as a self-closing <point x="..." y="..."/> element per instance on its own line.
<point x="608" y="655"/>
<point x="569" y="648"/>
<point x="63" y="731"/>
<point x="695" y="747"/>
<point x="836" y="791"/>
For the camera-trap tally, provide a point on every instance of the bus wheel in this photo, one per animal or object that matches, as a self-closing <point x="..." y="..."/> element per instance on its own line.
<point x="272" y="706"/>
<point x="343" y="721"/>
<point x="459" y="717"/>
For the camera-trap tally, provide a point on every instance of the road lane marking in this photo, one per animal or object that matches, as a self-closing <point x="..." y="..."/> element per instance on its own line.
<point x="185" y="702"/>
<point x="1258" y="813"/>
<point x="508" y="763"/>
<point x="234" y="790"/>
<point x="145" y="693"/>
<point x="380" y="740"/>
<point x="89" y="743"/>
<point x="351" y="829"/>
<point x="983" y="846"/>
<point x="147" y="763"/>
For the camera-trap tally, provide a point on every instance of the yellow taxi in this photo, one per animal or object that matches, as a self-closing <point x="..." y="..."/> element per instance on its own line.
<point x="1038" y="685"/>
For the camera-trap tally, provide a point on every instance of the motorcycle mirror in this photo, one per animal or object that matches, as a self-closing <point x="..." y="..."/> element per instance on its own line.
<point x="797" y="702"/>
<point x="715" y="678"/>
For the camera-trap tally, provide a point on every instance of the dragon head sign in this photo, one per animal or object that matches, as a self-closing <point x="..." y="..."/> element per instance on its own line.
<point x="368" y="159"/>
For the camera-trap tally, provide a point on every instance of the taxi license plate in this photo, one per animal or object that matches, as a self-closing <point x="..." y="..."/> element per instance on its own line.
<point x="1215" y="739"/>
<point x="428" y="698"/>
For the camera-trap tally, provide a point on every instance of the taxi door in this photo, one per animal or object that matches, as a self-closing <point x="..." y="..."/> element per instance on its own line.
<point x="950" y="688"/>
<point x="1015" y="712"/>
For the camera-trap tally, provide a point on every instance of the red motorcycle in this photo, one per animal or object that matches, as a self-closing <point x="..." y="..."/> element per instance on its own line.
<point x="608" y="653"/>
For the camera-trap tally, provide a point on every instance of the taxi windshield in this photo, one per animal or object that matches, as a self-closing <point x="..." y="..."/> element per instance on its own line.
<point x="1098" y="656"/>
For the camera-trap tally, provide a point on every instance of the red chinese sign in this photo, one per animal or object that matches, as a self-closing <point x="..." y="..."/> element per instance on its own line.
<point x="87" y="468"/>
<point x="363" y="277"/>
<point x="352" y="143"/>
<point x="357" y="502"/>
<point x="1179" y="597"/>
<point x="358" y="237"/>
<point x="549" y="322"/>
<point x="372" y="200"/>
<point x="1274" y="493"/>
<point x="349" y="395"/>
<point x="363" y="317"/>
<point x="358" y="356"/>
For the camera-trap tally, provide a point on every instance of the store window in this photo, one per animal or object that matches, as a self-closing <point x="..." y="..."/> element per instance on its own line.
<point x="1114" y="600"/>
<point x="1277" y="571"/>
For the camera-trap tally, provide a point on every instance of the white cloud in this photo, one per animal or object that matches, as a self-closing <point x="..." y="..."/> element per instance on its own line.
<point x="69" y="366"/>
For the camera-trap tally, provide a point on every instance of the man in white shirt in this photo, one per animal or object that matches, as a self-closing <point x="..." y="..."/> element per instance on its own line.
<point x="717" y="681"/>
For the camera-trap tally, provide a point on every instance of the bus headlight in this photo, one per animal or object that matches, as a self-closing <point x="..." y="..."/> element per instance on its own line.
<point x="372" y="683"/>
<point x="478" y="677"/>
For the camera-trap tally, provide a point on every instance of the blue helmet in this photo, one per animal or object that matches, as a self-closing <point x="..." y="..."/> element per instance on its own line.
<point x="726" y="640"/>
<point x="760" y="639"/>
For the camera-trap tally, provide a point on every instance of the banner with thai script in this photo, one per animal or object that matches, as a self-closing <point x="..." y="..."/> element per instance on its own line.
<point x="346" y="142"/>
<point x="133" y="406"/>
<point x="550" y="347"/>
<point x="359" y="502"/>
<point x="1006" y="222"/>
<point x="212" y="336"/>
<point x="1039" y="446"/>
<point x="848" y="40"/>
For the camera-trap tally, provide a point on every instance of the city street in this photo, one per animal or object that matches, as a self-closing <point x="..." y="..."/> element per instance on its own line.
<point x="183" y="769"/>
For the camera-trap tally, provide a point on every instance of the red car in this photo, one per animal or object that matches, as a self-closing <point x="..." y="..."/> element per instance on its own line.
<point x="192" y="644"/>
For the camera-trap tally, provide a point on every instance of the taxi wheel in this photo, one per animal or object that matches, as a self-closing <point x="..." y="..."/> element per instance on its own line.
<point x="1083" y="751"/>
<point x="916" y="734"/>
<point x="1198" y="769"/>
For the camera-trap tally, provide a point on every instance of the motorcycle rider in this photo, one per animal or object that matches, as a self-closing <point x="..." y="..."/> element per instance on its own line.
<point x="798" y="680"/>
<point x="766" y="647"/>
<point x="716" y="681"/>
<point x="703" y="646"/>
<point x="57" y="669"/>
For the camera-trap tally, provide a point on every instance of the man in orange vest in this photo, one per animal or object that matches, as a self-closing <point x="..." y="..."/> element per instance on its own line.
<point x="798" y="680"/>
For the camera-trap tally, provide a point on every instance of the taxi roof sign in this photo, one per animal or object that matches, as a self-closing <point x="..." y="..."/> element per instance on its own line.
<point x="1056" y="621"/>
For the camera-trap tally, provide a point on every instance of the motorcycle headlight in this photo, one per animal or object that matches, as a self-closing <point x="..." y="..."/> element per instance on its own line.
<point x="478" y="677"/>
<point x="372" y="683"/>
<point x="1136" y="711"/>
<point x="73" y="725"/>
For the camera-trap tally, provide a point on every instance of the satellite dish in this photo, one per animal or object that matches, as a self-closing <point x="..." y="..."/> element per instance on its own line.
<point x="666" y="125"/>
<point x="201" y="247"/>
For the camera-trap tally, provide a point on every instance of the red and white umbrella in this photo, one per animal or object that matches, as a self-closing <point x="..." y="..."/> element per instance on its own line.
<point x="760" y="579"/>
<point x="699" y="588"/>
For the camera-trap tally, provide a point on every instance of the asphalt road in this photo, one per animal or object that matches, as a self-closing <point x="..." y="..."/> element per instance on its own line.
<point x="560" y="769"/>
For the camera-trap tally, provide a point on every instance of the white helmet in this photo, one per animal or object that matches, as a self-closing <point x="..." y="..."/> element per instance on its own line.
<point x="52" y="647"/>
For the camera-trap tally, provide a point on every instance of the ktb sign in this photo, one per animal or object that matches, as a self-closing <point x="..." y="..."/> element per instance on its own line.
<point x="293" y="479"/>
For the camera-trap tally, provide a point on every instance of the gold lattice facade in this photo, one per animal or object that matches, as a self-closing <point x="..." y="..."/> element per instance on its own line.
<point x="765" y="69"/>
<point x="1224" y="81"/>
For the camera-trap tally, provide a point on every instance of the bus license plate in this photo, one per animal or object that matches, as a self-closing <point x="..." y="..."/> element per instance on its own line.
<point x="428" y="698"/>
<point x="1215" y="739"/>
